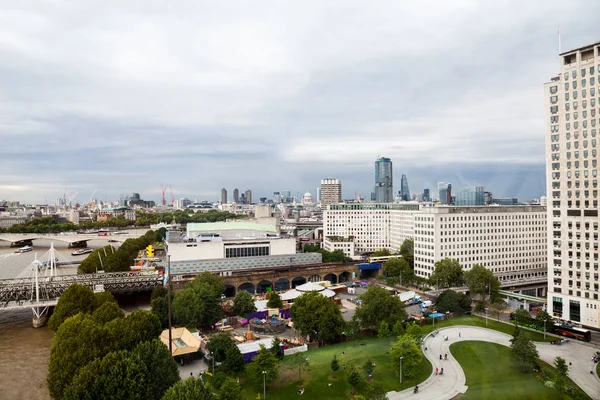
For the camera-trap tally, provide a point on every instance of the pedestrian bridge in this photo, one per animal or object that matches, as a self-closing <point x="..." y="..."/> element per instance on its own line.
<point x="72" y="239"/>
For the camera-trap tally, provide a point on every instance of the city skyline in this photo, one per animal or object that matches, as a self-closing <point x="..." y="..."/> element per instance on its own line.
<point x="120" y="100"/>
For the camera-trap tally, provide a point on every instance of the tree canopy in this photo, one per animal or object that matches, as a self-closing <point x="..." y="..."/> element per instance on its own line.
<point x="381" y="253"/>
<point x="448" y="273"/>
<point x="225" y="351"/>
<point x="190" y="389"/>
<point x="275" y="300"/>
<point x="77" y="298"/>
<point x="406" y="347"/>
<point x="407" y="250"/>
<point x="328" y="256"/>
<point x="263" y="361"/>
<point x="243" y="303"/>
<point x="379" y="305"/>
<point x="482" y="283"/>
<point x="316" y="316"/>
<point x="199" y="304"/>
<point x="452" y="301"/>
<point x="523" y="351"/>
<point x="400" y="269"/>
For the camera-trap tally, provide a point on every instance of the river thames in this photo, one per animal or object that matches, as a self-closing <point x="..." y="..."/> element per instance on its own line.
<point x="24" y="350"/>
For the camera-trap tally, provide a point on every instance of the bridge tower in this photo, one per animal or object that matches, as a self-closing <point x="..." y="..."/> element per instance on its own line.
<point x="40" y="313"/>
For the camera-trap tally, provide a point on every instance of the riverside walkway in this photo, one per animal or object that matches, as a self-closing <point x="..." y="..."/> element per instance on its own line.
<point x="453" y="382"/>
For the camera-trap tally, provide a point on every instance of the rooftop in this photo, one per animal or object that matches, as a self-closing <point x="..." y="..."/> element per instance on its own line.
<point x="586" y="47"/>
<point x="210" y="227"/>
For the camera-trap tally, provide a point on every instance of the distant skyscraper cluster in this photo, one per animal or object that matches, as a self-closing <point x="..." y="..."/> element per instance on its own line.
<point x="245" y="198"/>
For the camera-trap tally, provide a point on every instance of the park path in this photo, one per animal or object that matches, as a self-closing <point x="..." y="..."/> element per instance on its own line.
<point x="453" y="382"/>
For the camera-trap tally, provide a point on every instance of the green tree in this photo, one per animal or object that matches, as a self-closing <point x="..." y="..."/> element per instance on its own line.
<point x="352" y="328"/>
<point x="452" y="301"/>
<point x="523" y="351"/>
<point x="275" y="301"/>
<point x="354" y="378"/>
<point x="406" y="347"/>
<point x="188" y="309"/>
<point x="210" y="281"/>
<point x="160" y="308"/>
<point x="398" y="329"/>
<point x="78" y="341"/>
<point x="400" y="269"/>
<point x="448" y="273"/>
<point x="317" y="316"/>
<point x="219" y="344"/>
<point x="190" y="389"/>
<point x="498" y="307"/>
<point x="376" y="391"/>
<point x="162" y="371"/>
<point x="300" y="362"/>
<point x="230" y="390"/>
<point x="562" y="370"/>
<point x="234" y="361"/>
<point x="384" y="330"/>
<point x="263" y="361"/>
<point x="77" y="298"/>
<point x="118" y="375"/>
<point x="368" y="367"/>
<point x="415" y="331"/>
<point x="379" y="305"/>
<point x="482" y="283"/>
<point x="407" y="250"/>
<point x="91" y="264"/>
<point x="335" y="365"/>
<point x="243" y="303"/>
<point x="543" y="320"/>
<point x="381" y="253"/>
<point x="276" y="348"/>
<point x="107" y="312"/>
<point x="139" y="326"/>
<point x="522" y="316"/>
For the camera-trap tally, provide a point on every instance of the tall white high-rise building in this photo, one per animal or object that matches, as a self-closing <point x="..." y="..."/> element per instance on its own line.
<point x="572" y="186"/>
<point x="331" y="191"/>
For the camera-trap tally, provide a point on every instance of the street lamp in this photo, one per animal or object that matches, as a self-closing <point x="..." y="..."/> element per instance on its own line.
<point x="168" y="300"/>
<point x="401" y="370"/>
<point x="486" y="317"/>
<point x="544" y="329"/>
<point x="264" y="384"/>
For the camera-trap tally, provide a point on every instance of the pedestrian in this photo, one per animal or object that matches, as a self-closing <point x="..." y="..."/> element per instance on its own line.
<point x="191" y="374"/>
<point x="436" y="371"/>
<point x="446" y="356"/>
<point x="442" y="373"/>
<point x="440" y="356"/>
<point x="458" y="334"/>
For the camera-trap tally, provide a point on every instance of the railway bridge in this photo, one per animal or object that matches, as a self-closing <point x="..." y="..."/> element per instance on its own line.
<point x="257" y="280"/>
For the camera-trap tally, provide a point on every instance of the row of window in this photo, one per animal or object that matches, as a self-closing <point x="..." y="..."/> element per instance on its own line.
<point x="582" y="73"/>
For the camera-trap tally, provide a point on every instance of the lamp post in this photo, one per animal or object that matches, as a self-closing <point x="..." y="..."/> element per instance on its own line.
<point x="486" y="317"/>
<point x="544" y="329"/>
<point x="168" y="301"/>
<point x="401" y="370"/>
<point x="264" y="384"/>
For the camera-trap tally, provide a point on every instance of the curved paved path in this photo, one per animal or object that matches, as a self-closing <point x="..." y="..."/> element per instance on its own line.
<point x="445" y="387"/>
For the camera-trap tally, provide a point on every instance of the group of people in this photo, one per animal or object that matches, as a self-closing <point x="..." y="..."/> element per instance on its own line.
<point x="596" y="357"/>
<point x="441" y="372"/>
<point x="445" y="356"/>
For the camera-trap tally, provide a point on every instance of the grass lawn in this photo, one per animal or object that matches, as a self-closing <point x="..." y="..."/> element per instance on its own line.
<point x="320" y="374"/>
<point x="491" y="375"/>
<point x="474" y="320"/>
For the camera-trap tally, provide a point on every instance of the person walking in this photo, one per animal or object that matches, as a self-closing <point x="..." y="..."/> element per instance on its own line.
<point x="436" y="370"/>
<point x="458" y="334"/>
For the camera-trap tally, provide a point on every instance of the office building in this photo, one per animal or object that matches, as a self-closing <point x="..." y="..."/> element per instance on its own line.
<point x="369" y="226"/>
<point x="331" y="191"/>
<point x="510" y="241"/>
<point x="572" y="187"/>
<point x="236" y="195"/>
<point x="426" y="195"/>
<point x="384" y="182"/>
<point x="470" y="196"/>
<point x="223" y="196"/>
<point x="445" y="193"/>
<point x="248" y="197"/>
<point x="404" y="191"/>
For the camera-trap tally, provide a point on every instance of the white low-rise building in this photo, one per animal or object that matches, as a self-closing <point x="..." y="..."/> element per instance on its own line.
<point x="226" y="246"/>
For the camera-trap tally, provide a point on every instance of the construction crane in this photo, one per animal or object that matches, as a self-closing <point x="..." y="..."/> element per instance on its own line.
<point x="164" y="189"/>
<point x="71" y="198"/>
<point x="92" y="196"/>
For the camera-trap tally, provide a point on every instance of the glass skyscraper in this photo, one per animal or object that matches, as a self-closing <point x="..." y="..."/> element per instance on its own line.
<point x="470" y="196"/>
<point x="384" y="192"/>
<point x="404" y="191"/>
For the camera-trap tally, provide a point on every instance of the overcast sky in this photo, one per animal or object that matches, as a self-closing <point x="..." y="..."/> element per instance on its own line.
<point x="121" y="96"/>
